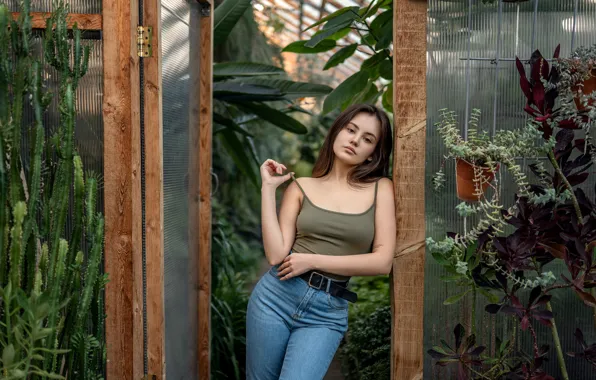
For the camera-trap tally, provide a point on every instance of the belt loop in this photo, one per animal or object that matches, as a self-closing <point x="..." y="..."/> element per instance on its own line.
<point x="328" y="285"/>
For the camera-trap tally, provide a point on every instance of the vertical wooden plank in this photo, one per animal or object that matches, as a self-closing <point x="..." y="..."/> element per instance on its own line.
<point x="121" y="181"/>
<point x="409" y="107"/>
<point x="200" y="157"/>
<point x="154" y="222"/>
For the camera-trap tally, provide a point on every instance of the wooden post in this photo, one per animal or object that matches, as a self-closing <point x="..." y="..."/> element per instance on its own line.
<point x="154" y="220"/>
<point x="124" y="335"/>
<point x="409" y="109"/>
<point x="199" y="192"/>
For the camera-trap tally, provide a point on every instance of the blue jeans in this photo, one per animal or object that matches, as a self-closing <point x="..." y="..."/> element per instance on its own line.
<point x="292" y="330"/>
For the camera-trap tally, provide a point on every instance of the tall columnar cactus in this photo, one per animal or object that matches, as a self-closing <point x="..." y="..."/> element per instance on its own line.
<point x="51" y="291"/>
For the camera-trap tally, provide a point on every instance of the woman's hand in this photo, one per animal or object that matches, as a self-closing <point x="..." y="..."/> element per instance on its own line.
<point x="294" y="265"/>
<point x="269" y="169"/>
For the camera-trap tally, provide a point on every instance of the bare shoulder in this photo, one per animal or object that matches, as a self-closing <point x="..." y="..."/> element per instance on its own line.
<point x="386" y="185"/>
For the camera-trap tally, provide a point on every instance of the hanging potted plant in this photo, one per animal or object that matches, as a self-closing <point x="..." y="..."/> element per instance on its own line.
<point x="578" y="75"/>
<point x="475" y="164"/>
<point x="479" y="156"/>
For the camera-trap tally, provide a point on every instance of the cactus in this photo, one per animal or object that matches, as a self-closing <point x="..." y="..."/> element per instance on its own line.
<point x="51" y="290"/>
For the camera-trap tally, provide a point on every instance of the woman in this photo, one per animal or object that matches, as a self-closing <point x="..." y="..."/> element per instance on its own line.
<point x="336" y="224"/>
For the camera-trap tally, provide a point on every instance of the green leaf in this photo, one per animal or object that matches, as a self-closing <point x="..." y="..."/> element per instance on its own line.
<point x="229" y="123"/>
<point x="340" y="34"/>
<point x="322" y="35"/>
<point x="345" y="19"/>
<point x="368" y="39"/>
<point x="243" y="88"/>
<point x="492" y="298"/>
<point x="333" y="15"/>
<point x="238" y="153"/>
<point x="299" y="47"/>
<point x="374" y="61"/>
<point x="368" y="95"/>
<point x="7" y="355"/>
<point x="291" y="89"/>
<point x="439" y="258"/>
<point x="455" y="298"/>
<point x="388" y="98"/>
<point x="226" y="16"/>
<point x="386" y="69"/>
<point x="340" y="56"/>
<point x="345" y="91"/>
<point x="385" y="36"/>
<point x="244" y="69"/>
<point x="275" y="117"/>
<point x="380" y="21"/>
<point x="370" y="10"/>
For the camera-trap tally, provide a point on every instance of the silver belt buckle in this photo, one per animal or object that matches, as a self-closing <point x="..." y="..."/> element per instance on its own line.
<point x="310" y="279"/>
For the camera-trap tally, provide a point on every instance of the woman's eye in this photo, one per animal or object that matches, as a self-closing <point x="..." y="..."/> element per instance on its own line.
<point x="368" y="141"/>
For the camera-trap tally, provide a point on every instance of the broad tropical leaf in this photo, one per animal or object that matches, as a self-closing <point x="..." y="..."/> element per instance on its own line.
<point x="274" y="116"/>
<point x="290" y="89"/>
<point x="244" y="69"/>
<point x="341" y="55"/>
<point x="238" y="152"/>
<point x="225" y="18"/>
<point x="335" y="14"/>
<point x="345" y="91"/>
<point x="299" y="47"/>
<point x="229" y="123"/>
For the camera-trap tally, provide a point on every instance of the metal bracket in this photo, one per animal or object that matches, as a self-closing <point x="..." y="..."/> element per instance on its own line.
<point x="144" y="41"/>
<point x="205" y="7"/>
<point x="150" y="377"/>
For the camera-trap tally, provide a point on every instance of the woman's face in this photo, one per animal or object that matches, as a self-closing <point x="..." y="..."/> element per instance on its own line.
<point x="357" y="140"/>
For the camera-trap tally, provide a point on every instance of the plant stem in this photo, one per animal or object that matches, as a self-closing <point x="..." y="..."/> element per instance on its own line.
<point x="473" y="310"/>
<point x="560" y="356"/>
<point x="555" y="164"/>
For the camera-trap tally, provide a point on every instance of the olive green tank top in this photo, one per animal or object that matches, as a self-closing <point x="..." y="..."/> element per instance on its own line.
<point x="328" y="232"/>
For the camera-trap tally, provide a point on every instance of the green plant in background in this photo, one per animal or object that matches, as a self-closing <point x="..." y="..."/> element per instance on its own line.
<point x="365" y="352"/>
<point x="246" y="91"/>
<point x="375" y="78"/>
<point x="552" y="220"/>
<point x="51" y="310"/>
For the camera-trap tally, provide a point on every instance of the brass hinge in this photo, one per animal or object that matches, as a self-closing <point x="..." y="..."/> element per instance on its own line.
<point x="144" y="41"/>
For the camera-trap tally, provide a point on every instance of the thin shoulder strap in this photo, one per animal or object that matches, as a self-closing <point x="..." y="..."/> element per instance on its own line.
<point x="376" y="188"/>
<point x="300" y="187"/>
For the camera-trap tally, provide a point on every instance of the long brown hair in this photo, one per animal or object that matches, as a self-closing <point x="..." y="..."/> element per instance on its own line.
<point x="368" y="171"/>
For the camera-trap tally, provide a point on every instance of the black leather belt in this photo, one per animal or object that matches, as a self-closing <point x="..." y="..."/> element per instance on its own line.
<point x="326" y="284"/>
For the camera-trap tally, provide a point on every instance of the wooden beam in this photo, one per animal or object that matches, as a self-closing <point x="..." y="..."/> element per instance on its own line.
<point x="200" y="158"/>
<point x="84" y="21"/>
<point x="154" y="217"/>
<point x="409" y="108"/>
<point x="124" y="335"/>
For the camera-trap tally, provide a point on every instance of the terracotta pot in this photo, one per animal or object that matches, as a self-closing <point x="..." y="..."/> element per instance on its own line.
<point x="588" y="88"/>
<point x="466" y="187"/>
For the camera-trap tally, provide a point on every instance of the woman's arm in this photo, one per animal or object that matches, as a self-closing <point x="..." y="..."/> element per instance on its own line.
<point x="378" y="262"/>
<point x="278" y="234"/>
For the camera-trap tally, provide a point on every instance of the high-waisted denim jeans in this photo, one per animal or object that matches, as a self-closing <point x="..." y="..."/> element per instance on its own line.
<point x="292" y="329"/>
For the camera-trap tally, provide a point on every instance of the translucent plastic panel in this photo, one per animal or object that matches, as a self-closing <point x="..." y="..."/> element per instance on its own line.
<point x="471" y="52"/>
<point x="180" y="310"/>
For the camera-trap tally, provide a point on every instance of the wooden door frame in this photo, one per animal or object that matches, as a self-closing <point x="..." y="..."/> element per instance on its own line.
<point x="409" y="111"/>
<point x="123" y="201"/>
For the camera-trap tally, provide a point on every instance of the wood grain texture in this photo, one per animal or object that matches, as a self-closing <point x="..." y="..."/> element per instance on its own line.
<point x="121" y="183"/>
<point x="409" y="105"/>
<point x="199" y="192"/>
<point x="83" y="21"/>
<point x="154" y="219"/>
